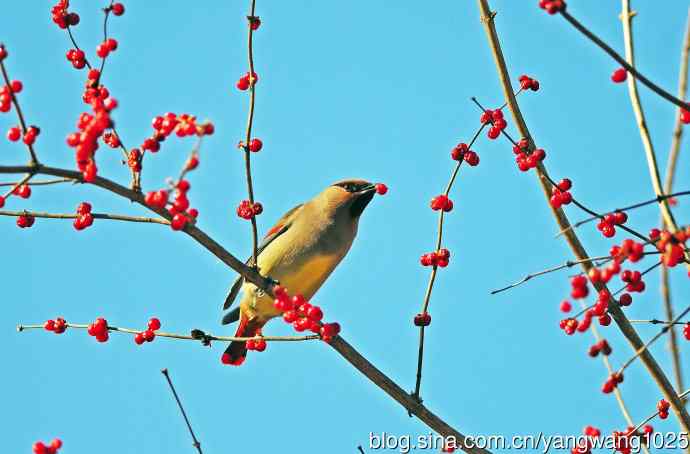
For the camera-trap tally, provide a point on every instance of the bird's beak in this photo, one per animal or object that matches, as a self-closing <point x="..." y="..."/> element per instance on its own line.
<point x="370" y="188"/>
<point x="362" y="199"/>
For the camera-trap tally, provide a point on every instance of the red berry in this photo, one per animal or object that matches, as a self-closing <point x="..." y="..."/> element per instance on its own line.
<point x="566" y="306"/>
<point x="40" y="448"/>
<point x="381" y="188"/>
<point x="192" y="162"/>
<point x="619" y="75"/>
<point x="314" y="313"/>
<point x="139" y="338"/>
<point x="154" y="324"/>
<point x="111" y="44"/>
<point x="178" y="221"/>
<point x="14" y="133"/>
<point x="16" y="86"/>
<point x="565" y="184"/>
<point x="149" y="335"/>
<point x="254" y="23"/>
<point x="255" y="145"/>
<point x="684" y="115"/>
<point x="493" y="132"/>
<point x="56" y="444"/>
<point x="243" y="83"/>
<point x="49" y="325"/>
<point x="84" y="208"/>
<point x="23" y="191"/>
<point x="423" y="319"/>
<point x="118" y="9"/>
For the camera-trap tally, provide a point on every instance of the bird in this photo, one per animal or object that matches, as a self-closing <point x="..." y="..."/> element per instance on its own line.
<point x="300" y="252"/>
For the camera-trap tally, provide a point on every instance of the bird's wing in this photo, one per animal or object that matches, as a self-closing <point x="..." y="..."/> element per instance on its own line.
<point x="281" y="227"/>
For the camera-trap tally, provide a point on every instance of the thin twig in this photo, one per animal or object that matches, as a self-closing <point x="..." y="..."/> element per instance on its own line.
<point x="606" y="48"/>
<point x="202" y="336"/>
<point x="434" y="269"/>
<point x="112" y="217"/>
<point x="250" y="123"/>
<point x="651" y="341"/>
<point x="20" y="115"/>
<point x="655" y="321"/>
<point x="658" y="199"/>
<point x="42" y="182"/>
<point x="656" y="372"/>
<point x="196" y="442"/>
<point x="568" y="264"/>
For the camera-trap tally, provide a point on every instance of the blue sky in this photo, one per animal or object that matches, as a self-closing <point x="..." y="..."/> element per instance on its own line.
<point x="377" y="90"/>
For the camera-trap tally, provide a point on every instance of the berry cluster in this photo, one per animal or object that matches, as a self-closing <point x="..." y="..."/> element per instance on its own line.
<point x="552" y="6"/>
<point x="527" y="83"/>
<point x="633" y="280"/>
<point x="441" y="202"/>
<point x="629" y="249"/>
<point x="77" y="57"/>
<point x="524" y="159"/>
<point x="663" y="407"/>
<point x="25" y="221"/>
<point x="579" y="287"/>
<point x="602" y="347"/>
<point x="91" y="126"/>
<point x="422" y="319"/>
<point x="23" y="191"/>
<point x="619" y="75"/>
<point x="584" y="445"/>
<point x="436" y="258"/>
<point x="84" y="218"/>
<point x="622" y="440"/>
<point x="41" y="448"/>
<point x="182" y="125"/>
<point x="561" y="195"/>
<point x="607" y="225"/>
<point x="612" y="382"/>
<point x="302" y="315"/>
<point x="246" y="81"/>
<point x="99" y="329"/>
<point x="150" y="334"/>
<point x="6" y="92"/>
<point x="248" y="210"/>
<point x="495" y="118"/>
<point x="179" y="208"/>
<point x="107" y="46"/>
<point x="463" y="152"/>
<point x="671" y="246"/>
<point x="62" y="17"/>
<point x="58" y="326"/>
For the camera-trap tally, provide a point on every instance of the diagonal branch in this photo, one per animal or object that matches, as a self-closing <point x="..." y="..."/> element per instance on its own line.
<point x="658" y="375"/>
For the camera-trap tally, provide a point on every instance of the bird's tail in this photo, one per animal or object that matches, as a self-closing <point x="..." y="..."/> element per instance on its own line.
<point x="236" y="352"/>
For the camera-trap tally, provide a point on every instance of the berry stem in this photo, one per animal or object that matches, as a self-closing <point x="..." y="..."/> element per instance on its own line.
<point x="20" y="115"/>
<point x="42" y="182"/>
<point x="434" y="269"/>
<point x="250" y="123"/>
<point x="209" y="337"/>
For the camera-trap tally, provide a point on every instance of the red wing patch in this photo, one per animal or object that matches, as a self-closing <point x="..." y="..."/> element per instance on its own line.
<point x="275" y="229"/>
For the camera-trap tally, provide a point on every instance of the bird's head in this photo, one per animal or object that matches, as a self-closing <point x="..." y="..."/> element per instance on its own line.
<point x="353" y="196"/>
